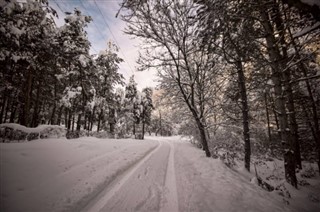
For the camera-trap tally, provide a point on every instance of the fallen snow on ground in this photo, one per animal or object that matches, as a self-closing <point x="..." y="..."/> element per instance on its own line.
<point x="305" y="198"/>
<point x="11" y="132"/>
<point x="212" y="186"/>
<point x="56" y="174"/>
<point x="39" y="129"/>
<point x="157" y="174"/>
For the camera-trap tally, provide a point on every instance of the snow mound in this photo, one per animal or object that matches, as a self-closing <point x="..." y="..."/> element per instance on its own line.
<point x="10" y="132"/>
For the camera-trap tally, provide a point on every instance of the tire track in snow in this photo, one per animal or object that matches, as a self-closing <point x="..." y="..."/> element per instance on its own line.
<point x="170" y="199"/>
<point x="70" y="190"/>
<point x="81" y="169"/>
<point x="100" y="201"/>
<point x="93" y="159"/>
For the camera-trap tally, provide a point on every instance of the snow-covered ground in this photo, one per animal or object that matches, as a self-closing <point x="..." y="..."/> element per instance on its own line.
<point x="60" y="174"/>
<point x="156" y="174"/>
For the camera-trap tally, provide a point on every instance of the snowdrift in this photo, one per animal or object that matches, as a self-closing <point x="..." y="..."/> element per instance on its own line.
<point x="10" y="132"/>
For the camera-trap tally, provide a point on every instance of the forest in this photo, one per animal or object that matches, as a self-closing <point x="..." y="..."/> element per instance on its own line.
<point x="237" y="75"/>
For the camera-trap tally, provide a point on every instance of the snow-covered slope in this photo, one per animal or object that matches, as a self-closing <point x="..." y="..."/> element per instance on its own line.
<point x="212" y="186"/>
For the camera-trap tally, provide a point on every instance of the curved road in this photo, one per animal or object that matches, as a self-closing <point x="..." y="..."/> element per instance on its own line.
<point x="175" y="176"/>
<point x="149" y="185"/>
<point x="168" y="175"/>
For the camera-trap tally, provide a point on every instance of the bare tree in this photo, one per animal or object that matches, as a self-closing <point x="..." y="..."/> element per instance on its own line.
<point x="277" y="67"/>
<point x="228" y="30"/>
<point x="168" y="30"/>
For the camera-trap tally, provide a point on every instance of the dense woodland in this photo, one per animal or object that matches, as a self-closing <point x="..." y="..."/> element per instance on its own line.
<point x="49" y="77"/>
<point x="237" y="67"/>
<point x="240" y="75"/>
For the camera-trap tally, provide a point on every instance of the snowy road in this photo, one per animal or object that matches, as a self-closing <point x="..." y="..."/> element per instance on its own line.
<point x="89" y="174"/>
<point x="147" y="186"/>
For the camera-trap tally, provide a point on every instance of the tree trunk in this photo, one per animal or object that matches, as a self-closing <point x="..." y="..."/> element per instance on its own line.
<point x="35" y="117"/>
<point x="215" y="122"/>
<point x="160" y="123"/>
<point x="13" y="110"/>
<point x="79" y="122"/>
<point x="245" y="115"/>
<point x="308" y="122"/>
<point x="99" y="120"/>
<point x="315" y="118"/>
<point x="53" y="119"/>
<point x="149" y="130"/>
<point x="98" y="127"/>
<point x="4" y="103"/>
<point x="275" y="113"/>
<point x="73" y="121"/>
<point x="143" y="129"/>
<point x="6" y="111"/>
<point x="203" y="137"/>
<point x="287" y="142"/>
<point x="314" y="115"/>
<point x="92" y="118"/>
<point x="66" y="118"/>
<point x="286" y="75"/>
<point x="12" y="107"/>
<point x="134" y="128"/>
<point x="268" y="117"/>
<point x="59" y="115"/>
<point x="27" y="100"/>
<point x="85" y="121"/>
<point x="53" y="114"/>
<point x="112" y="120"/>
<point x="69" y="120"/>
<point x="292" y="121"/>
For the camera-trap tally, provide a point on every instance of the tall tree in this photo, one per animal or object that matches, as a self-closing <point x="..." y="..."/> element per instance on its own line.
<point x="277" y="68"/>
<point x="76" y="63"/>
<point x="168" y="29"/>
<point x="27" y="31"/>
<point x="147" y="108"/>
<point x="230" y="36"/>
<point x="106" y="77"/>
<point x="131" y="103"/>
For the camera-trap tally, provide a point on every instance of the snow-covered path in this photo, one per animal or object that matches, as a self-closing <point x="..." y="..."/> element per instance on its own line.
<point x="63" y="175"/>
<point x="147" y="186"/>
<point x="123" y="175"/>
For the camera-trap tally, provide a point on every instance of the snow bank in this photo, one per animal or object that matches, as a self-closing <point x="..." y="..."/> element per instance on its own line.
<point x="212" y="186"/>
<point x="305" y="198"/>
<point x="10" y="132"/>
<point x="85" y="133"/>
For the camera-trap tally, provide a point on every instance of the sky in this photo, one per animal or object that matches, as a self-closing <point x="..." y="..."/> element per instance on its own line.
<point x="105" y="27"/>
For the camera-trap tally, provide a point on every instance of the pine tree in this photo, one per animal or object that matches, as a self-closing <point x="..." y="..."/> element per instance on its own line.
<point x="131" y="103"/>
<point x="147" y="107"/>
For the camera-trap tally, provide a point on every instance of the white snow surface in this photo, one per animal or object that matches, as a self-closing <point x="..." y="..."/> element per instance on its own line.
<point x="48" y="131"/>
<point x="156" y="174"/>
<point x="38" y="129"/>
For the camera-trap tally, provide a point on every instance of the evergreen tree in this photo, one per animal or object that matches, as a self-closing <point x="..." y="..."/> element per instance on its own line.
<point x="147" y="107"/>
<point x="131" y="103"/>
